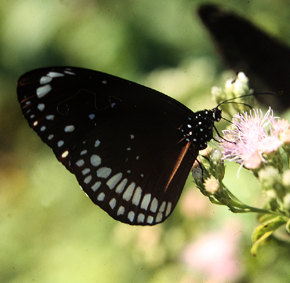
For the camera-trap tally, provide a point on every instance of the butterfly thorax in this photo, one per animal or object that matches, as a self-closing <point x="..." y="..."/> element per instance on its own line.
<point x="199" y="128"/>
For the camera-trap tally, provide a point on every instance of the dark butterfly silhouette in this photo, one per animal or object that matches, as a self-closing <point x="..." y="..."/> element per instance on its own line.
<point x="244" y="47"/>
<point x="130" y="147"/>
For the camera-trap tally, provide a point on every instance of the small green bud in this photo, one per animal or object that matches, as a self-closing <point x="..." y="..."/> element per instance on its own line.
<point x="286" y="179"/>
<point x="270" y="178"/>
<point x="217" y="165"/>
<point x="286" y="202"/>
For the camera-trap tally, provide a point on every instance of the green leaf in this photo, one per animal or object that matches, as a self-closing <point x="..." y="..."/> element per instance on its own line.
<point x="265" y="230"/>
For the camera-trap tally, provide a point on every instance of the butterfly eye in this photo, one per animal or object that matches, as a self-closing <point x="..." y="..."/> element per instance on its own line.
<point x="130" y="147"/>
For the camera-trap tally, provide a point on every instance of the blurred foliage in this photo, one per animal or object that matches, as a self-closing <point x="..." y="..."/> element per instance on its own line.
<point x="50" y="231"/>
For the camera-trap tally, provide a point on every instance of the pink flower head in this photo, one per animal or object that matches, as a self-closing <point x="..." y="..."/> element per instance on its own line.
<point x="252" y="135"/>
<point x="215" y="254"/>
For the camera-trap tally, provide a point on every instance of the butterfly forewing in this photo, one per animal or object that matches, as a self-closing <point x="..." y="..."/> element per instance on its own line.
<point x="121" y="140"/>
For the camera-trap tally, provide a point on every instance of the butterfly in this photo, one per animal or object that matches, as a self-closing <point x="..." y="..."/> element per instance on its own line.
<point x="130" y="147"/>
<point x="244" y="47"/>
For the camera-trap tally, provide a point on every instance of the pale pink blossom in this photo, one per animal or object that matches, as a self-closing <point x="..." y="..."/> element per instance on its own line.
<point x="215" y="255"/>
<point x="252" y="135"/>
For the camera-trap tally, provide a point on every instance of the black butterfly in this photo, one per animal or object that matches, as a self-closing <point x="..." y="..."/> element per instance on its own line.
<point x="130" y="147"/>
<point x="244" y="47"/>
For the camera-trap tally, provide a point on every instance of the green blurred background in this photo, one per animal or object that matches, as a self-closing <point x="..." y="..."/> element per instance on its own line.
<point x="49" y="230"/>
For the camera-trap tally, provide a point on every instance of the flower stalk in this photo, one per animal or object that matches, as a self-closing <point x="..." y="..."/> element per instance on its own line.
<point x="258" y="143"/>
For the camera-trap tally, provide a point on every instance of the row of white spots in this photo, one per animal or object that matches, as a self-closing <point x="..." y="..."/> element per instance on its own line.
<point x="120" y="188"/>
<point x="45" y="80"/>
<point x="113" y="181"/>
<point x="141" y="216"/>
<point x="129" y="192"/>
<point x="41" y="91"/>
<point x="60" y="143"/>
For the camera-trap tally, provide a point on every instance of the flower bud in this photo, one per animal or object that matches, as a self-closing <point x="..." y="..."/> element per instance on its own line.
<point x="217" y="165"/>
<point x="286" y="179"/>
<point x="211" y="185"/>
<point x="286" y="202"/>
<point x="271" y="180"/>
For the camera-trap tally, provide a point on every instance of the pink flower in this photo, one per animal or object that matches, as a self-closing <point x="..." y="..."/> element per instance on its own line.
<point x="216" y="254"/>
<point x="252" y="135"/>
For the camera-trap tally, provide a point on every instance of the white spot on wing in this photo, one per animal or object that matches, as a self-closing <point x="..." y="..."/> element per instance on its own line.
<point x="159" y="217"/>
<point x="154" y="205"/>
<point x="101" y="197"/>
<point x="86" y="171"/>
<point x="145" y="201"/>
<point x="112" y="203"/>
<point x="121" y="210"/>
<point x="95" y="186"/>
<point x="121" y="186"/>
<point x="150" y="219"/>
<point x="95" y="160"/>
<point x="168" y="209"/>
<point x="65" y="154"/>
<point x="129" y="192"/>
<point x="69" y="128"/>
<point x="43" y="90"/>
<point x="50" y="137"/>
<point x="131" y="216"/>
<point x="41" y="107"/>
<point x="137" y="196"/>
<point x="49" y="117"/>
<point x="97" y="143"/>
<point x="141" y="218"/>
<point x="54" y="74"/>
<point x="80" y="162"/>
<point x="87" y="179"/>
<point x="60" y="143"/>
<point x="83" y="152"/>
<point x="69" y="72"/>
<point x="113" y="181"/>
<point x="45" y="80"/>
<point x="104" y="172"/>
<point x="162" y="207"/>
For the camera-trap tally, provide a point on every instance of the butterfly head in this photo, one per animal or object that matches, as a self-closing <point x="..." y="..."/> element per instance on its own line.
<point x="216" y="114"/>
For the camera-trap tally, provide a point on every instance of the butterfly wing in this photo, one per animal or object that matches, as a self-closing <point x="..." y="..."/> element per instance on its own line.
<point x="120" y="139"/>
<point x="245" y="47"/>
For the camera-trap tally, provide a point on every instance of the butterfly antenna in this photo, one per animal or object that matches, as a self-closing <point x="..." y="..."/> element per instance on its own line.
<point x="246" y="95"/>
